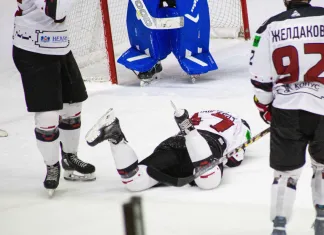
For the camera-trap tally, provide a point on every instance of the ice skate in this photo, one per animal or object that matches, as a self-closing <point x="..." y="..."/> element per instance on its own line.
<point x="52" y="178"/>
<point x="194" y="77"/>
<point x="75" y="169"/>
<point x="107" y="128"/>
<point x="181" y="116"/>
<point x="148" y="77"/>
<point x="319" y="221"/>
<point x="279" y="226"/>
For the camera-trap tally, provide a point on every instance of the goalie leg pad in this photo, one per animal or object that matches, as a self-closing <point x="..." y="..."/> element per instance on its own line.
<point x="136" y="60"/>
<point x="190" y="44"/>
<point x="147" y="46"/>
<point x="283" y="193"/>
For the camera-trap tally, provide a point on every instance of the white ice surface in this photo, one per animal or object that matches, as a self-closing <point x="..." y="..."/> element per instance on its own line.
<point x="239" y="206"/>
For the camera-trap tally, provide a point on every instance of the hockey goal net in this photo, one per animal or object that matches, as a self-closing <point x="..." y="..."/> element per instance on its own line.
<point x="98" y="32"/>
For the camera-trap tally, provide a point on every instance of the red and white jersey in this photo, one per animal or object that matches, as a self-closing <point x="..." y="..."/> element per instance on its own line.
<point x="41" y="28"/>
<point x="287" y="60"/>
<point x="225" y="124"/>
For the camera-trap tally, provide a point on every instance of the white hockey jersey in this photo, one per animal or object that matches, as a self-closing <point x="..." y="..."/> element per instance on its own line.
<point x="287" y="60"/>
<point x="225" y="124"/>
<point x="41" y="28"/>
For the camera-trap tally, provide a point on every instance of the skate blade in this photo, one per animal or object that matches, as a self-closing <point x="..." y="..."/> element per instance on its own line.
<point x="105" y="120"/>
<point x="154" y="79"/>
<point x="76" y="176"/>
<point x="50" y="192"/>
<point x="194" y="78"/>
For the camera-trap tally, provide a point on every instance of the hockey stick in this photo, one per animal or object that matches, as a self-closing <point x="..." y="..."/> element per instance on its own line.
<point x="156" y="23"/>
<point x="179" y="182"/>
<point x="3" y="133"/>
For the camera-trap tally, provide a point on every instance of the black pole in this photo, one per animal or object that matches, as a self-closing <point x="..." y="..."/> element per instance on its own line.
<point x="133" y="217"/>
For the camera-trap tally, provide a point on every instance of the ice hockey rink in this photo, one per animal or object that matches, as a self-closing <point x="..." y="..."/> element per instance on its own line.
<point x="239" y="206"/>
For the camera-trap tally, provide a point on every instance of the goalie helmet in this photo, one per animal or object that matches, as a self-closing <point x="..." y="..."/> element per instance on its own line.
<point x="288" y="2"/>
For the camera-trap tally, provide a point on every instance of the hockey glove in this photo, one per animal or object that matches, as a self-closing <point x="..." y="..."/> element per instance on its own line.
<point x="264" y="109"/>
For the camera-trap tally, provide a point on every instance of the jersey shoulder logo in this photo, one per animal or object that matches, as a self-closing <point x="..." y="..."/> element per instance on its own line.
<point x="195" y="119"/>
<point x="256" y="40"/>
<point x="295" y="14"/>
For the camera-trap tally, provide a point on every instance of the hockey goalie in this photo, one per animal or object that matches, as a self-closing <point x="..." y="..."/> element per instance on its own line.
<point x="158" y="27"/>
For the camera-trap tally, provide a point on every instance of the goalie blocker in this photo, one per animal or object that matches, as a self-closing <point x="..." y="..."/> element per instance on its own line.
<point x="190" y="155"/>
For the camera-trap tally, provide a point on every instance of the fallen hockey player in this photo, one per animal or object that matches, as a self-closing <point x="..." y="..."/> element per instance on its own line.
<point x="206" y="136"/>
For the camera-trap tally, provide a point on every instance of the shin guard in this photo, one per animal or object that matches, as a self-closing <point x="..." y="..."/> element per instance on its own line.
<point x="318" y="183"/>
<point x="47" y="134"/>
<point x="283" y="193"/>
<point x="70" y="123"/>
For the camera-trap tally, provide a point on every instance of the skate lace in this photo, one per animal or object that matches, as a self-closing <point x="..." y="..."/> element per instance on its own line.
<point x="53" y="173"/>
<point x="77" y="161"/>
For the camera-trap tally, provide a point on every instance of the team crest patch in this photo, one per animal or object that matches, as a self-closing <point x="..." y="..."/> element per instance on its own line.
<point x="248" y="135"/>
<point x="256" y="41"/>
<point x="45" y="38"/>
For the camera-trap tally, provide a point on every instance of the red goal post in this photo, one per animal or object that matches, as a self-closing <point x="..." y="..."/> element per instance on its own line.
<point x="245" y="18"/>
<point x="98" y="30"/>
<point x="109" y="45"/>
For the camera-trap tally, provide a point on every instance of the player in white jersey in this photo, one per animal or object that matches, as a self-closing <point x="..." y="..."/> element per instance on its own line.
<point x="206" y="136"/>
<point x="287" y="65"/>
<point x="53" y="85"/>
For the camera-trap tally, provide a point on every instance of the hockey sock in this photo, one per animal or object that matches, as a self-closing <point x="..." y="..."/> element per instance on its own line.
<point x="318" y="183"/>
<point x="197" y="146"/>
<point x="283" y="193"/>
<point x="47" y="134"/>
<point x="70" y="123"/>
<point x="125" y="159"/>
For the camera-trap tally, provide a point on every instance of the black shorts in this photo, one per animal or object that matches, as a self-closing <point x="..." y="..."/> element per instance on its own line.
<point x="49" y="80"/>
<point x="172" y="158"/>
<point x="291" y="132"/>
<point x="175" y="163"/>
